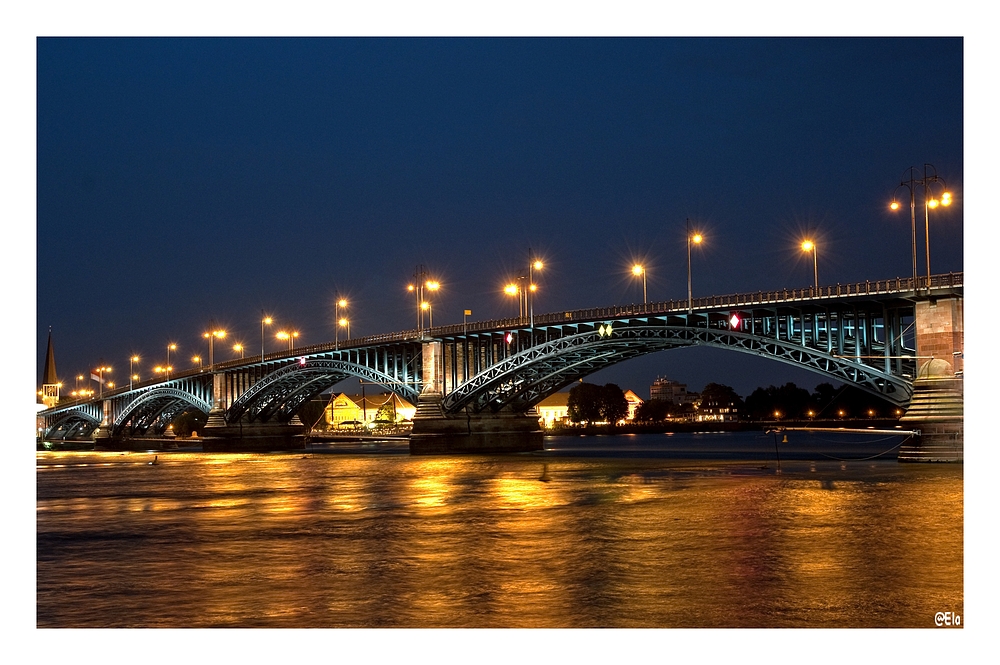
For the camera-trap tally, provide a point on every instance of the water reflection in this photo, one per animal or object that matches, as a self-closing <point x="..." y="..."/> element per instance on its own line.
<point x="526" y="541"/>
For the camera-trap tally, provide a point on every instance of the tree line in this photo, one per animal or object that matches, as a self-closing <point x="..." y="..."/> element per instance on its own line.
<point x="590" y="403"/>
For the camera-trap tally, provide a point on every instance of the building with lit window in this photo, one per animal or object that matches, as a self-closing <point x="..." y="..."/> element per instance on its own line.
<point x="672" y="391"/>
<point x="354" y="411"/>
<point x="553" y="410"/>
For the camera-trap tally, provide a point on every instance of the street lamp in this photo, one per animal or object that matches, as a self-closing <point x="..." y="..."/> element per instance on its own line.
<point x="211" y="336"/>
<point x="238" y="348"/>
<point x="264" y="320"/>
<point x="288" y="337"/>
<point x="345" y="323"/>
<point x="426" y="307"/>
<point x="131" y="370"/>
<point x="533" y="264"/>
<point x="197" y="359"/>
<point x="170" y="347"/>
<point x="100" y="371"/>
<point x="341" y="304"/>
<point x="420" y="282"/>
<point x="929" y="203"/>
<point x="638" y="270"/>
<point x="810" y="246"/>
<point x="696" y="239"/>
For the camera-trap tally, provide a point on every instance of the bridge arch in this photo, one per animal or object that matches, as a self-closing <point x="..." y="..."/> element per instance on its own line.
<point x="279" y="395"/>
<point x="525" y="378"/>
<point x="156" y="409"/>
<point x="70" y="423"/>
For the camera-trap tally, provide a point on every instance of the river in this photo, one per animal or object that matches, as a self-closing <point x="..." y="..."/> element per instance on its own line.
<point x="724" y="530"/>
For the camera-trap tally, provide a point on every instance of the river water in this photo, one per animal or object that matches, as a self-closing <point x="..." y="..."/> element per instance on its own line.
<point x="618" y="531"/>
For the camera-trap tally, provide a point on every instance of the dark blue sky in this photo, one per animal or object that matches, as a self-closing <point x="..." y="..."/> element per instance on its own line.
<point x="181" y="181"/>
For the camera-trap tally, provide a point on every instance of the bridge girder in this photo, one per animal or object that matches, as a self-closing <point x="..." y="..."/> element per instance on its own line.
<point x="71" y="422"/>
<point x="525" y="378"/>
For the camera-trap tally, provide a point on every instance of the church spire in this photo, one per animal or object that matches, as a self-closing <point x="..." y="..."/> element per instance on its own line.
<point x="50" y="364"/>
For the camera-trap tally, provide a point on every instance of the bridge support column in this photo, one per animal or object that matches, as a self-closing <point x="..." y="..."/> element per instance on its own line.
<point x="221" y="436"/>
<point x="434" y="432"/>
<point x="937" y="406"/>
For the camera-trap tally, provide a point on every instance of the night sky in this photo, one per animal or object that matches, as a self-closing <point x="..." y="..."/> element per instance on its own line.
<point x="182" y="182"/>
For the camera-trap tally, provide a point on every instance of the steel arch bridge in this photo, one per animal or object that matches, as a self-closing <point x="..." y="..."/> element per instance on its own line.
<point x="860" y="334"/>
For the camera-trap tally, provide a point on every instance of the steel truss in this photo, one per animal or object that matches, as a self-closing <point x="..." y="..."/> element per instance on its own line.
<point x="520" y="381"/>
<point x="280" y="394"/>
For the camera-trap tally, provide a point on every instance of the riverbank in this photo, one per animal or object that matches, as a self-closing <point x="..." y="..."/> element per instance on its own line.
<point x="741" y="426"/>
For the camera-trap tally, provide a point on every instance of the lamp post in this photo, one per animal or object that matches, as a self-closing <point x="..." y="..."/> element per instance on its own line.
<point x="420" y="282"/>
<point x="238" y="348"/>
<point x="929" y="202"/>
<point x="131" y="370"/>
<point x="345" y="322"/>
<point x="211" y="336"/>
<point x="264" y="320"/>
<point x="197" y="359"/>
<point x="638" y="270"/>
<point x="288" y="337"/>
<point x="100" y="372"/>
<point x="341" y="304"/>
<point x="810" y="246"/>
<point x="533" y="264"/>
<point x="170" y="347"/>
<point x="696" y="239"/>
<point x="426" y="307"/>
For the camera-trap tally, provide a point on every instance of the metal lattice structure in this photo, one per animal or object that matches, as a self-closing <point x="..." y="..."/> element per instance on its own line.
<point x="861" y="334"/>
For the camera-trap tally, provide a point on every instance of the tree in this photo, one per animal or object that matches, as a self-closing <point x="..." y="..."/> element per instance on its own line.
<point x="591" y="403"/>
<point x="655" y="410"/>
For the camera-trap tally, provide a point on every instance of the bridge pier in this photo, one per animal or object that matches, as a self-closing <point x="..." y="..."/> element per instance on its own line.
<point x="937" y="406"/>
<point x="220" y="436"/>
<point x="434" y="432"/>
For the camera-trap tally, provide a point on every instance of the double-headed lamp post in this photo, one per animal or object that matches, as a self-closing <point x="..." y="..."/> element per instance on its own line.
<point x="638" y="270"/>
<point x="100" y="372"/>
<point x="930" y="202"/>
<point x="810" y="246"/>
<point x="695" y="238"/>
<point x="341" y="304"/>
<point x="533" y="265"/>
<point x="131" y="370"/>
<point x="211" y="336"/>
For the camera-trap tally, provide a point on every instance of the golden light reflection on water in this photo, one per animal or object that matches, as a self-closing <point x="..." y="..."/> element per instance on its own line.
<point x="342" y="540"/>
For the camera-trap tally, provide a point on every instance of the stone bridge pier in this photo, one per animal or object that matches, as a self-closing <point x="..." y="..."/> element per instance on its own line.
<point x="434" y="431"/>
<point x="936" y="409"/>
<point x="220" y="436"/>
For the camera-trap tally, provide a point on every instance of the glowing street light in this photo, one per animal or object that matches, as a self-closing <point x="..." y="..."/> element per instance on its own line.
<point x="426" y="307"/>
<point x="810" y="246"/>
<point x="211" y="336"/>
<point x="695" y="238"/>
<point x="533" y="265"/>
<point x="131" y="371"/>
<point x="100" y="372"/>
<point x="346" y="323"/>
<point x="264" y="321"/>
<point x="170" y="347"/>
<point x="341" y="304"/>
<point x="197" y="359"/>
<point x="420" y="282"/>
<point x="238" y="348"/>
<point x="930" y="202"/>
<point x="288" y="337"/>
<point x="638" y="270"/>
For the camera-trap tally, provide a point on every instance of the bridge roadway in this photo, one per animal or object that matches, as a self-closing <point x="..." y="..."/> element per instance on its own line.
<point x="867" y="334"/>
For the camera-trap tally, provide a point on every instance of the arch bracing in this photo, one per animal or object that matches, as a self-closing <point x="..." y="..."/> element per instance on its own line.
<point x="279" y="394"/>
<point x="79" y="421"/>
<point x="155" y="409"/>
<point x="525" y="378"/>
